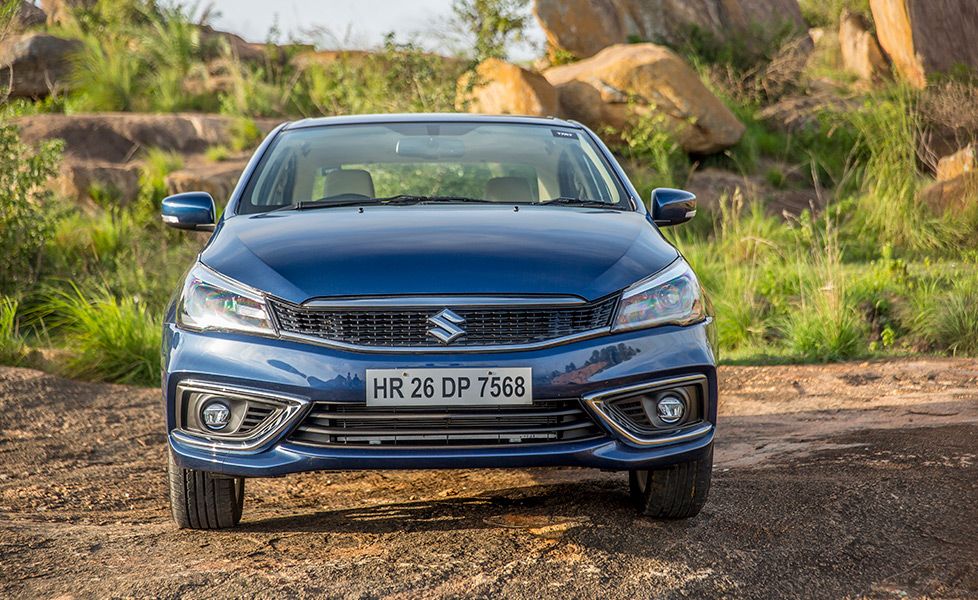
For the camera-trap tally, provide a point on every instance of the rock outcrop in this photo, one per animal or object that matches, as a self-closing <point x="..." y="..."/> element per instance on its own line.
<point x="627" y="81"/>
<point x="499" y="87"/>
<point x="922" y="37"/>
<point x="960" y="163"/>
<point x="861" y="52"/>
<point x="217" y="179"/>
<point x="34" y="65"/>
<point x="584" y="27"/>
<point x="114" y="163"/>
<point x="29" y="15"/>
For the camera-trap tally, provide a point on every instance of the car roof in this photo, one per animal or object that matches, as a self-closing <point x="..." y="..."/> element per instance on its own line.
<point x="429" y="118"/>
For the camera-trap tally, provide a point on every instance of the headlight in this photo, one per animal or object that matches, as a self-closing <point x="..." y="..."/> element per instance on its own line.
<point x="211" y="301"/>
<point x="670" y="297"/>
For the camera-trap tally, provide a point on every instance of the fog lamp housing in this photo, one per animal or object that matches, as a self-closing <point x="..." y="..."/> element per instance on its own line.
<point x="670" y="408"/>
<point x="215" y="415"/>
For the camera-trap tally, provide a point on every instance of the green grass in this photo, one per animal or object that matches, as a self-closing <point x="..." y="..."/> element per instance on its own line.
<point x="12" y="344"/>
<point x="110" y="339"/>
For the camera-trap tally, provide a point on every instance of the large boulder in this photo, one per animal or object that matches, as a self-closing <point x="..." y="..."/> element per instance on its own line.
<point x="626" y="81"/>
<point x="29" y="15"/>
<point x="78" y="180"/>
<point x="59" y="11"/>
<point x="35" y="64"/>
<point x="954" y="195"/>
<point x="215" y="43"/>
<point x="861" y="53"/>
<point x="584" y="27"/>
<point x="499" y="87"/>
<point x="922" y="37"/>
<point x="113" y="164"/>
<point x="962" y="162"/>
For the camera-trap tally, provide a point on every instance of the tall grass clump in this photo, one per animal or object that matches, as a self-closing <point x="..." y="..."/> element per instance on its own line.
<point x="110" y="339"/>
<point x="12" y="344"/>
<point x="888" y="212"/>
<point x="826" y="324"/>
<point x="947" y="316"/>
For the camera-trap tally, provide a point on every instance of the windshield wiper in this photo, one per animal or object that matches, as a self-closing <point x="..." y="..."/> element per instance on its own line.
<point x="579" y="202"/>
<point x="398" y="199"/>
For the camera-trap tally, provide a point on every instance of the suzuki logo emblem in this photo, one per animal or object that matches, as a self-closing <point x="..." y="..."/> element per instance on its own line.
<point x="446" y="326"/>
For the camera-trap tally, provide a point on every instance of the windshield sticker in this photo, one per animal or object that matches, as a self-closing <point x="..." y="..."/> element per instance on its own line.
<point x="562" y="133"/>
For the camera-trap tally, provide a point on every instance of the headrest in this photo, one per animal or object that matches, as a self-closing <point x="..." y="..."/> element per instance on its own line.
<point x="353" y="181"/>
<point x="508" y="189"/>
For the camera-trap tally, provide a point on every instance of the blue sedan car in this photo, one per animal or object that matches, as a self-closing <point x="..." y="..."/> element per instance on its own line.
<point x="436" y="291"/>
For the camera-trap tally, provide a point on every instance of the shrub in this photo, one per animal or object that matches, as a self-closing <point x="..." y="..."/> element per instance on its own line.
<point x="26" y="212"/>
<point x="826" y="13"/>
<point x="244" y="134"/>
<point x="218" y="153"/>
<point x="399" y="78"/>
<point x="649" y="146"/>
<point x="110" y="339"/>
<point x="106" y="75"/>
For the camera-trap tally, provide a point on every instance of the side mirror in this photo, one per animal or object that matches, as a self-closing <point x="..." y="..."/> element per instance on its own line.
<point x="190" y="210"/>
<point x="672" y="207"/>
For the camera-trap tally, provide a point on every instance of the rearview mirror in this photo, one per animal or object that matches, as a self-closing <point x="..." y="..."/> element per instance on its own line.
<point x="430" y="147"/>
<point x="672" y="207"/>
<point x="190" y="210"/>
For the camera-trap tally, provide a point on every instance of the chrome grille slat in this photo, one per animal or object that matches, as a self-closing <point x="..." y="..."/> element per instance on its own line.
<point x="335" y="424"/>
<point x="484" y="326"/>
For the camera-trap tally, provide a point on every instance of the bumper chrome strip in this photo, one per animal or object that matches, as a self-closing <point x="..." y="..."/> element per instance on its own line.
<point x="596" y="402"/>
<point x="388" y="302"/>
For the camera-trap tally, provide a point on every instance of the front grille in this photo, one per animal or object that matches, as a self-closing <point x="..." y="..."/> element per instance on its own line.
<point x="335" y="424"/>
<point x="495" y="326"/>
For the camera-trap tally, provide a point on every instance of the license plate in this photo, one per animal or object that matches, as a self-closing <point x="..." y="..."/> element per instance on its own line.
<point x="449" y="387"/>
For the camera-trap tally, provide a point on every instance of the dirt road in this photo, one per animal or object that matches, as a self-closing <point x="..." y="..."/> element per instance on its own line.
<point x="856" y="480"/>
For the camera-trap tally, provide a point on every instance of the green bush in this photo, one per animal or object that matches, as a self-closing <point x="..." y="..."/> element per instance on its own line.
<point x="157" y="164"/>
<point x="26" y="210"/>
<point x="109" y="339"/>
<point x="826" y="13"/>
<point x="399" y="78"/>
<point x="656" y="157"/>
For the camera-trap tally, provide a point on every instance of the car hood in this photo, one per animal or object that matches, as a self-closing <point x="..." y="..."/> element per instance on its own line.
<point x="445" y="250"/>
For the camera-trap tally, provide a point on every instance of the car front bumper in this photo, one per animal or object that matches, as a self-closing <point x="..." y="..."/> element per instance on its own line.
<point x="308" y="373"/>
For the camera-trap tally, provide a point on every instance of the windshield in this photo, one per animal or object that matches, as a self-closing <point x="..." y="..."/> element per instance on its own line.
<point x="427" y="162"/>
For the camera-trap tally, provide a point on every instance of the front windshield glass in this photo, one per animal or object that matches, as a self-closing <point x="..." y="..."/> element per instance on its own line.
<point x="447" y="162"/>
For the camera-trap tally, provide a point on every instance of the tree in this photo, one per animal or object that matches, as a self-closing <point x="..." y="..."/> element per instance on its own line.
<point x="492" y="23"/>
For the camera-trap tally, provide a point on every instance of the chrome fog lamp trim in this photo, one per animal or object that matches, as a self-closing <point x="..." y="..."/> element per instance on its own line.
<point x="290" y="409"/>
<point x="596" y="402"/>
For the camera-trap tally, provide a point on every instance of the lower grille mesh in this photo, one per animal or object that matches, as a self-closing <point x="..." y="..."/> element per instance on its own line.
<point x="334" y="424"/>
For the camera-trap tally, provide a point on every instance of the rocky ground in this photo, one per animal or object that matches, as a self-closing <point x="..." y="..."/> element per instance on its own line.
<point x="854" y="480"/>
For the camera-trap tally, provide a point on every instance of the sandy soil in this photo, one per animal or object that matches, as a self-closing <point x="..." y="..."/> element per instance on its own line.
<point x="839" y="481"/>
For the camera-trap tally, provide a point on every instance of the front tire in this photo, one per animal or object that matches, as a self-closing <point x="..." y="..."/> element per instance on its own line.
<point x="201" y="500"/>
<point x="676" y="492"/>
